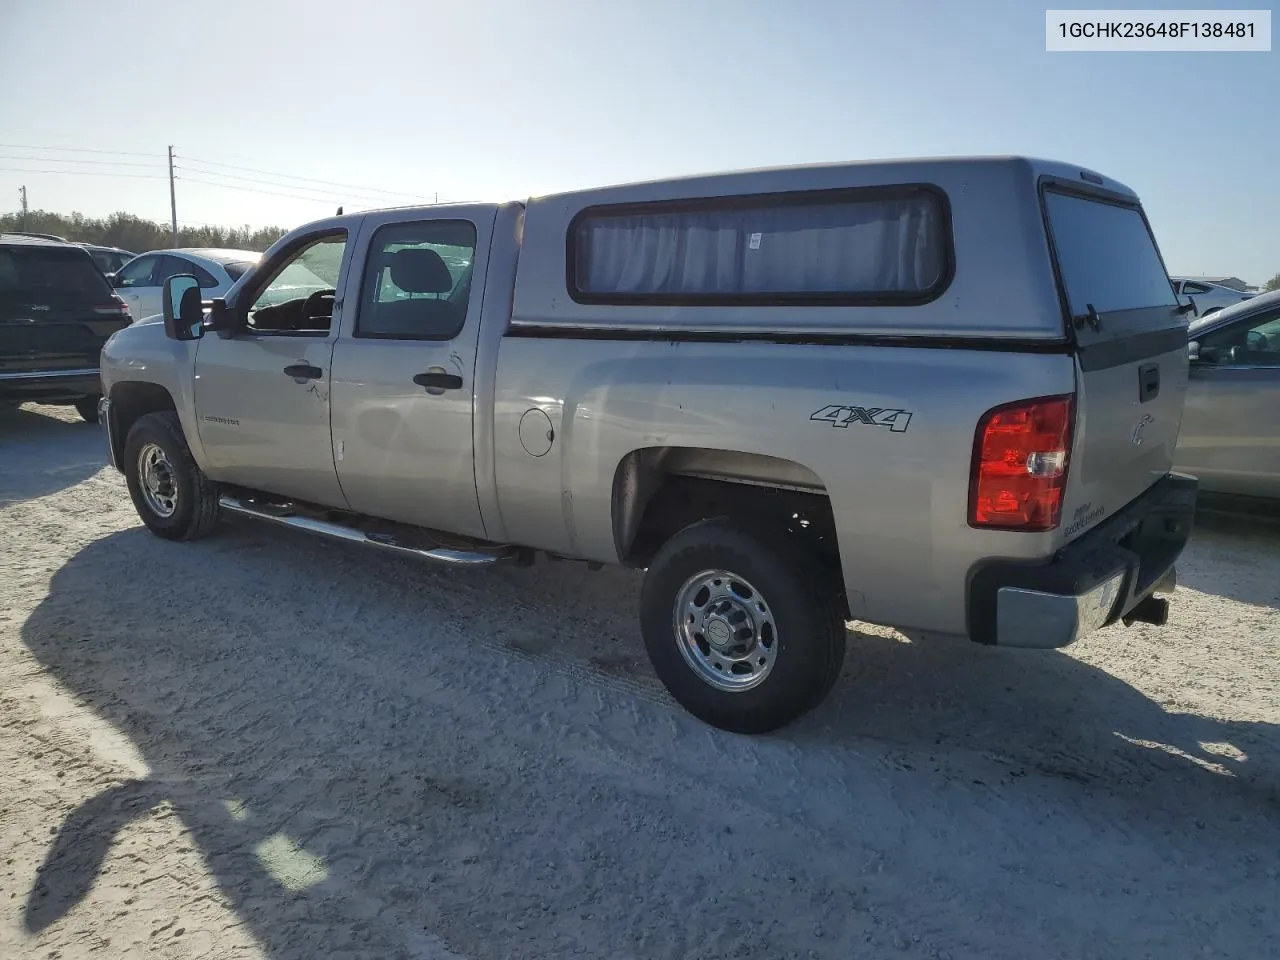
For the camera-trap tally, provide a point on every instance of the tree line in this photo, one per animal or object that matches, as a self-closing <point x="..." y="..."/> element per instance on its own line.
<point x="136" y="235"/>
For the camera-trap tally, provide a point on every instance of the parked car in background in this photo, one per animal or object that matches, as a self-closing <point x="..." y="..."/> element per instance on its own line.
<point x="56" y="312"/>
<point x="1230" y="435"/>
<point x="1208" y="297"/>
<point x="108" y="259"/>
<point x="40" y="236"/>
<point x="139" y="282"/>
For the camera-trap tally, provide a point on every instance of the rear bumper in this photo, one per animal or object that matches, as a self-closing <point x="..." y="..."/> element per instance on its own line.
<point x="23" y="385"/>
<point x="1109" y="574"/>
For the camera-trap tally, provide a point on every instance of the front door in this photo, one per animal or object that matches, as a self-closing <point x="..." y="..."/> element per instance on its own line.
<point x="403" y="376"/>
<point x="1230" y="429"/>
<point x="137" y="286"/>
<point x="262" y="394"/>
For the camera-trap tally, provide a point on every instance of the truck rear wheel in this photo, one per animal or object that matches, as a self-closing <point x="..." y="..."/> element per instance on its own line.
<point x="171" y="494"/>
<point x="744" y="629"/>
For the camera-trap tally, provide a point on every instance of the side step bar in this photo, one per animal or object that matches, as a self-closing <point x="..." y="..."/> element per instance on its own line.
<point x="444" y="555"/>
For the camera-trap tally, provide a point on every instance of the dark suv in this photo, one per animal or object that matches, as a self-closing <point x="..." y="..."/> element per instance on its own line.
<point x="108" y="259"/>
<point x="56" y="311"/>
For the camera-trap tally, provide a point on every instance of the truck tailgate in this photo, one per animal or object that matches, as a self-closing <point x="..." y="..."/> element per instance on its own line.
<point x="1129" y="399"/>
<point x="1131" y="352"/>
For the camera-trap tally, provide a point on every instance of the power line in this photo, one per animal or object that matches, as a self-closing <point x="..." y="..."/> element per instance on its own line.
<point x="373" y="193"/>
<point x="287" y="176"/>
<point x="120" y="153"/>
<point x="85" y="173"/>
<point x="337" y="195"/>
<point x="105" y="163"/>
<point x="273" y="193"/>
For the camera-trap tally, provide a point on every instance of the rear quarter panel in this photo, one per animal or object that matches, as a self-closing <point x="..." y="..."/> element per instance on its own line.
<point x="900" y="496"/>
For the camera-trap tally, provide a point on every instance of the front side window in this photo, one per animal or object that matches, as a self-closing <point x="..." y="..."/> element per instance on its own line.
<point x="137" y="272"/>
<point x="299" y="296"/>
<point x="417" y="280"/>
<point x="1248" y="343"/>
<point x="859" y="246"/>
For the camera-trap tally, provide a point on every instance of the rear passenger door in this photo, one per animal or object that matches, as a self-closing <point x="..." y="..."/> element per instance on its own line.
<point x="403" y="370"/>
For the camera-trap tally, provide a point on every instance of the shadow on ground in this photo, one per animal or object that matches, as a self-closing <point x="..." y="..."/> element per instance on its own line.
<point x="329" y="706"/>
<point x="46" y="449"/>
<point x="1223" y="526"/>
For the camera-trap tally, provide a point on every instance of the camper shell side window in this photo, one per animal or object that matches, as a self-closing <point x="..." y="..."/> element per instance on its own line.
<point x="860" y="246"/>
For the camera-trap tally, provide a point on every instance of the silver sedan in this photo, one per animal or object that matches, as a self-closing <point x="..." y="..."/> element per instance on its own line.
<point x="1209" y="297"/>
<point x="1230" y="435"/>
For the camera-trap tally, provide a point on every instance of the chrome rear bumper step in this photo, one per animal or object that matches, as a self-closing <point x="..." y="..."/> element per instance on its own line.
<point x="448" y="556"/>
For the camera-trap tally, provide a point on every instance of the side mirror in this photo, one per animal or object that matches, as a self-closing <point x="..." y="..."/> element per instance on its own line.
<point x="221" y="318"/>
<point x="183" y="313"/>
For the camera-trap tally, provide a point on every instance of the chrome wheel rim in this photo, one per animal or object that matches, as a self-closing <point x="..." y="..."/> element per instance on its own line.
<point x="725" y="630"/>
<point x="156" y="480"/>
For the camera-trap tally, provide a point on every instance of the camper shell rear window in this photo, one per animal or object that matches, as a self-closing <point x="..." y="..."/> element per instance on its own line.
<point x="865" y="246"/>
<point x="1106" y="255"/>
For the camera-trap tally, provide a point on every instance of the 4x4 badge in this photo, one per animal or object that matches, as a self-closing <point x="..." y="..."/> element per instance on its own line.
<point x="839" y="415"/>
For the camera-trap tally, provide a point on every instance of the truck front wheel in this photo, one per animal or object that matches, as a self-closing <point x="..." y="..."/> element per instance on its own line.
<point x="744" y="629"/>
<point x="171" y="494"/>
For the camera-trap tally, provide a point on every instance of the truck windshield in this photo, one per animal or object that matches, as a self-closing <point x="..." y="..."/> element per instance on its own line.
<point x="1106" y="255"/>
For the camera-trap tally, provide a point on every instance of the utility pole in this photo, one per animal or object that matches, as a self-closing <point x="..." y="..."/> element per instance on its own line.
<point x="173" y="198"/>
<point x="23" y="190"/>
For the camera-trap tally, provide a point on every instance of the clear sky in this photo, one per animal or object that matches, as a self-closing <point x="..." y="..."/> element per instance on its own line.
<point x="497" y="99"/>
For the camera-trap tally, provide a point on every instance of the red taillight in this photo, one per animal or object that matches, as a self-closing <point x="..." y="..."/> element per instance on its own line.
<point x="116" y="308"/>
<point x="1020" y="465"/>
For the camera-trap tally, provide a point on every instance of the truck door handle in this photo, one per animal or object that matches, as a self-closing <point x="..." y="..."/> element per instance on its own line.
<point x="303" y="371"/>
<point x="438" y="381"/>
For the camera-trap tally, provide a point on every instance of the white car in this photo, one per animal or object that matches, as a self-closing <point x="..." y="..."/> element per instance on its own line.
<point x="140" y="282"/>
<point x="1208" y="297"/>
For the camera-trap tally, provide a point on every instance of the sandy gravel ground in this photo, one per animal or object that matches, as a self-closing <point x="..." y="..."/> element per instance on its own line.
<point x="261" y="745"/>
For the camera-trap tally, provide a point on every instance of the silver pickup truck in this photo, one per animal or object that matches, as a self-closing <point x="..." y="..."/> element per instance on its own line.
<point x="941" y="395"/>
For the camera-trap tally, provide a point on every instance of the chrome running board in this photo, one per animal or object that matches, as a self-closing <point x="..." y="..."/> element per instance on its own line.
<point x="449" y="556"/>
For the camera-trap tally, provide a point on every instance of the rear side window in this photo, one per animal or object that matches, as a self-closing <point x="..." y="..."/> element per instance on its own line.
<point x="50" y="275"/>
<point x="174" y="266"/>
<point x="417" y="281"/>
<point x="1107" y="257"/>
<point x="861" y="246"/>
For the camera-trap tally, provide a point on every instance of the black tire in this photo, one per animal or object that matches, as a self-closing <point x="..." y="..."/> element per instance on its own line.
<point x="195" y="497"/>
<point x="803" y="598"/>
<point x="87" y="407"/>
